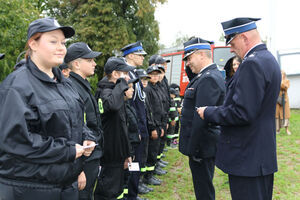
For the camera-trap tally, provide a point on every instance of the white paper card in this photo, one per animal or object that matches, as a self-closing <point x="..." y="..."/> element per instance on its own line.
<point x="134" y="167"/>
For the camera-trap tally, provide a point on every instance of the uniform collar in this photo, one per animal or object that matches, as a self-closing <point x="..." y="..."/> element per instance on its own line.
<point x="81" y="80"/>
<point x="42" y="75"/>
<point x="203" y="70"/>
<point x="250" y="51"/>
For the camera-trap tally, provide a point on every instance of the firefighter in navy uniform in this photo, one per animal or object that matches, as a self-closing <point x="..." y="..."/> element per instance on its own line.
<point x="198" y="139"/>
<point x="41" y="122"/>
<point x="247" y="148"/>
<point x="134" y="55"/>
<point x="80" y="60"/>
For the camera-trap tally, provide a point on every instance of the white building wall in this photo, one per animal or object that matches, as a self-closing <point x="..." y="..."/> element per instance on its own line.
<point x="294" y="90"/>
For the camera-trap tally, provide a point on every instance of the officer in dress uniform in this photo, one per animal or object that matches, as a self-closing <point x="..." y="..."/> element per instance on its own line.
<point x="134" y="55"/>
<point x="198" y="138"/>
<point x="247" y="148"/>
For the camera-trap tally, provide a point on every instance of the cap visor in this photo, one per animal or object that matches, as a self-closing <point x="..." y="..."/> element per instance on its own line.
<point x="144" y="76"/>
<point x="156" y="70"/>
<point x="125" y="68"/>
<point x="140" y="52"/>
<point x="187" y="55"/>
<point x="68" y="31"/>
<point x="2" y="56"/>
<point x="92" y="54"/>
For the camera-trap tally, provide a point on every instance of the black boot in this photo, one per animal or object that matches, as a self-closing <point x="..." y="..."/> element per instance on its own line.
<point x="159" y="171"/>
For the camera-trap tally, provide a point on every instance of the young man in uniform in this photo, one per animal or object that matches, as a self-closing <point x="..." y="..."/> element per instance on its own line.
<point x="80" y="62"/>
<point x="134" y="55"/>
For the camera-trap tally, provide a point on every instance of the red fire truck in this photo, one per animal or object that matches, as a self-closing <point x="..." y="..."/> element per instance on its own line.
<point x="175" y="72"/>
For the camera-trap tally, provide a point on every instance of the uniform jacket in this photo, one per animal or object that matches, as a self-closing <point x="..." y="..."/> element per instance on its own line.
<point x="156" y="107"/>
<point x="132" y="124"/>
<point x="138" y="102"/>
<point x="41" y="120"/>
<point x="285" y="84"/>
<point x="247" y="144"/>
<point x="116" y="143"/>
<point x="91" y="110"/>
<point x="166" y="100"/>
<point x="197" y="137"/>
<point x="149" y="115"/>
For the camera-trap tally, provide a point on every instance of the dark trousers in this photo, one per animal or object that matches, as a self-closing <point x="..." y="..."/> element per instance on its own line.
<point x="203" y="173"/>
<point x="145" y="145"/>
<point x="19" y="190"/>
<point x="162" y="142"/>
<point x="91" y="170"/>
<point x="153" y="149"/>
<point x="134" y="177"/>
<point x="246" y="188"/>
<point x="110" y="182"/>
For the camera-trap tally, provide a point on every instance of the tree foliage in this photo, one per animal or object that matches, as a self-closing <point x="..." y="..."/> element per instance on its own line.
<point x="108" y="25"/>
<point x="14" y="20"/>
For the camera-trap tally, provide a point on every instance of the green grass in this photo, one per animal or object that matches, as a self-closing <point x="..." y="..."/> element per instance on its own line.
<point x="178" y="185"/>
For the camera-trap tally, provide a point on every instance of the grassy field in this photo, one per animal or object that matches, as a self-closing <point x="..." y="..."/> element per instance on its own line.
<point x="177" y="184"/>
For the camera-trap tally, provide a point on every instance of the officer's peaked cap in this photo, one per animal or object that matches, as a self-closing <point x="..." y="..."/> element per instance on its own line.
<point x="80" y="50"/>
<point x="136" y="48"/>
<point x="195" y="44"/>
<point x="238" y="25"/>
<point x="48" y="24"/>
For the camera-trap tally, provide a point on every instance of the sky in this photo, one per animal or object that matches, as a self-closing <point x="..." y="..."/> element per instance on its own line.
<point x="280" y="23"/>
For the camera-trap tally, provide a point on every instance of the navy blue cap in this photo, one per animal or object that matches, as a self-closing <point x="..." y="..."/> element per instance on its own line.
<point x="2" y="55"/>
<point x="63" y="66"/>
<point x="173" y="91"/>
<point x="238" y="25"/>
<point x="195" y="44"/>
<point x="152" y="59"/>
<point x="136" y="48"/>
<point x="152" y="69"/>
<point x="161" y="67"/>
<point x="161" y="60"/>
<point x="116" y="64"/>
<point x="48" y="24"/>
<point x="142" y="73"/>
<point x="80" y="50"/>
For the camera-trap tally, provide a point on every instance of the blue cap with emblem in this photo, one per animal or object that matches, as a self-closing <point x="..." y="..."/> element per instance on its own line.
<point x="195" y="44"/>
<point x="80" y="50"/>
<point x="46" y="25"/>
<point x="142" y="73"/>
<point x="238" y="25"/>
<point x="136" y="48"/>
<point x="153" y="68"/>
